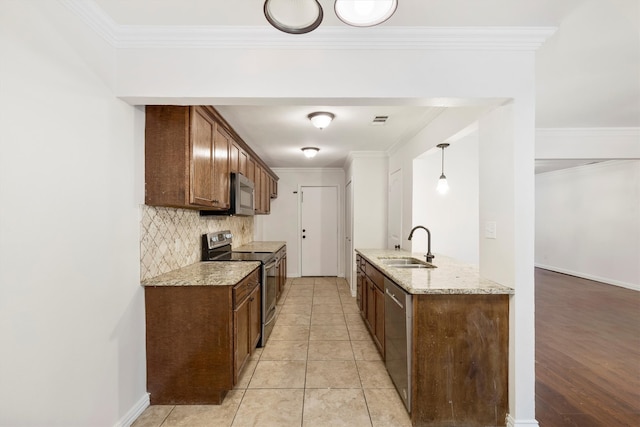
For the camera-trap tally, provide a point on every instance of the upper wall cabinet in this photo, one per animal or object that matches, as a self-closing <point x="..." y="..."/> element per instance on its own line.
<point x="189" y="153"/>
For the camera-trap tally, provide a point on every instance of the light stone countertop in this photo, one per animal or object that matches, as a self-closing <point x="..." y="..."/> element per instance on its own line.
<point x="212" y="273"/>
<point x="450" y="276"/>
<point x="260" y="247"/>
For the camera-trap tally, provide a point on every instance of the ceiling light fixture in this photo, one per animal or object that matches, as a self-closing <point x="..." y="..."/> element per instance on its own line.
<point x="310" y="152"/>
<point x="321" y="119"/>
<point x="293" y="16"/>
<point x="443" y="185"/>
<point x="365" y="13"/>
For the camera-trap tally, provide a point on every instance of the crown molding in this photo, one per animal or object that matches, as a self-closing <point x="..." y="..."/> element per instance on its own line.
<point x="599" y="132"/>
<point x="328" y="37"/>
<point x="96" y="18"/>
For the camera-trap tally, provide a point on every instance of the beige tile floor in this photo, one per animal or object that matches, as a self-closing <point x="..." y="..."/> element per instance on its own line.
<point x="320" y="368"/>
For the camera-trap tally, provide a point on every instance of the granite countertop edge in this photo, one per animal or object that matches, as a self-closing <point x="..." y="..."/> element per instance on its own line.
<point x="205" y="273"/>
<point x="261" y="246"/>
<point x="450" y="277"/>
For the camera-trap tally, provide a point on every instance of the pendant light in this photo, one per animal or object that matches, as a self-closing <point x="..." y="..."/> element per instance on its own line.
<point x="443" y="185"/>
<point x="293" y="16"/>
<point x="365" y="13"/>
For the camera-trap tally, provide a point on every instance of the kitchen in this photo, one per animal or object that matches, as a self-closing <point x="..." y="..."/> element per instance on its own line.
<point x="87" y="331"/>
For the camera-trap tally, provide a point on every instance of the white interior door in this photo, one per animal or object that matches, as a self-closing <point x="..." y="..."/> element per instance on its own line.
<point x="348" y="244"/>
<point x="395" y="209"/>
<point x="319" y="232"/>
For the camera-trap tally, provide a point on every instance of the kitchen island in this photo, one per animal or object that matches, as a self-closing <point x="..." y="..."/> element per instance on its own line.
<point x="443" y="333"/>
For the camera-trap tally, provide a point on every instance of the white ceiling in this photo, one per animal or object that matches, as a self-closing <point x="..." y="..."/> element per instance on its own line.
<point x="588" y="72"/>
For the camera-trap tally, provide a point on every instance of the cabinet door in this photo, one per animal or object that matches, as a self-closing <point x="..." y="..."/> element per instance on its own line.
<point x="359" y="287"/>
<point x="258" y="188"/>
<point x="379" y="326"/>
<point x="273" y="188"/>
<point x="221" y="171"/>
<point x="371" y="305"/>
<point x="283" y="271"/>
<point x="234" y="157"/>
<point x="240" y="337"/>
<point x="202" y="159"/>
<point x="266" y="193"/>
<point x="251" y="171"/>
<point x="255" y="322"/>
<point x="242" y="162"/>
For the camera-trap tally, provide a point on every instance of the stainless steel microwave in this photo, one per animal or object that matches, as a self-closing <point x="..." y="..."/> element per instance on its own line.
<point x="241" y="197"/>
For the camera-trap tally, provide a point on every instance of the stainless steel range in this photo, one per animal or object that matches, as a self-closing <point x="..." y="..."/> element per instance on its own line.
<point x="217" y="246"/>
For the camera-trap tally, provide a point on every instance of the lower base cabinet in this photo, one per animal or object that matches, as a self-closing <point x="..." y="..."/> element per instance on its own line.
<point x="199" y="338"/>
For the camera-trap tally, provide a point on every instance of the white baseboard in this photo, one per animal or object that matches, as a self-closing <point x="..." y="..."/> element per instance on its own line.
<point x="134" y="412"/>
<point x="520" y="423"/>
<point x="604" y="280"/>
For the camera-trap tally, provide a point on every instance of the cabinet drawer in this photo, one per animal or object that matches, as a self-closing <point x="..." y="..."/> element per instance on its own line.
<point x="245" y="287"/>
<point x="375" y="275"/>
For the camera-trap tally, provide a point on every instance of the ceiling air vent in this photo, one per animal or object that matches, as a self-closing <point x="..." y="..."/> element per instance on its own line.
<point x="380" y="120"/>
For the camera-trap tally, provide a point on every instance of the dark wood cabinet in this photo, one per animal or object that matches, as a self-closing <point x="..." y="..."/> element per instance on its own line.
<point x="265" y="192"/>
<point x="246" y="318"/>
<point x="371" y="282"/>
<point x="262" y="190"/>
<point x="281" y="272"/>
<point x="186" y="158"/>
<point x="237" y="158"/>
<point x="234" y="157"/>
<point x="189" y="154"/>
<point x="251" y="170"/>
<point x="273" y="188"/>
<point x="220" y="170"/>
<point x="199" y="339"/>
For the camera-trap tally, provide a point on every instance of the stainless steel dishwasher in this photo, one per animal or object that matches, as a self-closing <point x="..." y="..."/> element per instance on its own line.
<point x="397" y="338"/>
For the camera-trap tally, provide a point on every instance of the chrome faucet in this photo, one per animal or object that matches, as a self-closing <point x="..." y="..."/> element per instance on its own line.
<point x="429" y="256"/>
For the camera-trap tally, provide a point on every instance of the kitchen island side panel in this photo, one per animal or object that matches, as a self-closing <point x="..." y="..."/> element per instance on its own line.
<point x="460" y="364"/>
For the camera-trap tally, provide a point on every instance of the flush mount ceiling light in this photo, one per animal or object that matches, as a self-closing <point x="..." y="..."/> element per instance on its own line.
<point x="293" y="16"/>
<point x="443" y="185"/>
<point x="321" y="119"/>
<point x="310" y="152"/>
<point x="365" y="13"/>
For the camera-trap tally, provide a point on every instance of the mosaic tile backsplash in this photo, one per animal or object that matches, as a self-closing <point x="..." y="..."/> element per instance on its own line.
<point x="170" y="238"/>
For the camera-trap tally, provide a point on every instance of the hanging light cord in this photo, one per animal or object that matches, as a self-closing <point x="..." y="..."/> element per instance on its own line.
<point x="443" y="146"/>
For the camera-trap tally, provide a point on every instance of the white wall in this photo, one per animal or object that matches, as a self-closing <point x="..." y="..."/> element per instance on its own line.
<point x="588" y="222"/>
<point x="446" y="125"/>
<point x="452" y="218"/>
<point x="71" y="180"/>
<point x="283" y="222"/>
<point x="368" y="176"/>
<point x="367" y="173"/>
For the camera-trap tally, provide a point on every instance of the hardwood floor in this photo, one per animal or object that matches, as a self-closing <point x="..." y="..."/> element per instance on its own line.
<point x="587" y="353"/>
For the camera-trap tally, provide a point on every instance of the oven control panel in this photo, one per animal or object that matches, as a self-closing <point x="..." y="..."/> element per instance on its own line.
<point x="218" y="238"/>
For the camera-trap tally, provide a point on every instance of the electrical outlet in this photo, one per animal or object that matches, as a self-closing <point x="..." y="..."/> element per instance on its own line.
<point x="490" y="229"/>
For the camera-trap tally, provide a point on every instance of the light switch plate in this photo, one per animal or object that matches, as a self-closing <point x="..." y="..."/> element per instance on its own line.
<point x="490" y="229"/>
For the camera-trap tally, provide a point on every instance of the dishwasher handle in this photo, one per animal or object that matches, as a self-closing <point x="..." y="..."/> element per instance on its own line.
<point x="393" y="297"/>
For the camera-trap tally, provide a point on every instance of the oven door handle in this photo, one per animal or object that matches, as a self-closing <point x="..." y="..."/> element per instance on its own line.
<point x="271" y="265"/>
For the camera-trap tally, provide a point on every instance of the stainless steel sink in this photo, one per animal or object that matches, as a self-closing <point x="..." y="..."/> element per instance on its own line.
<point x="405" y="262"/>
